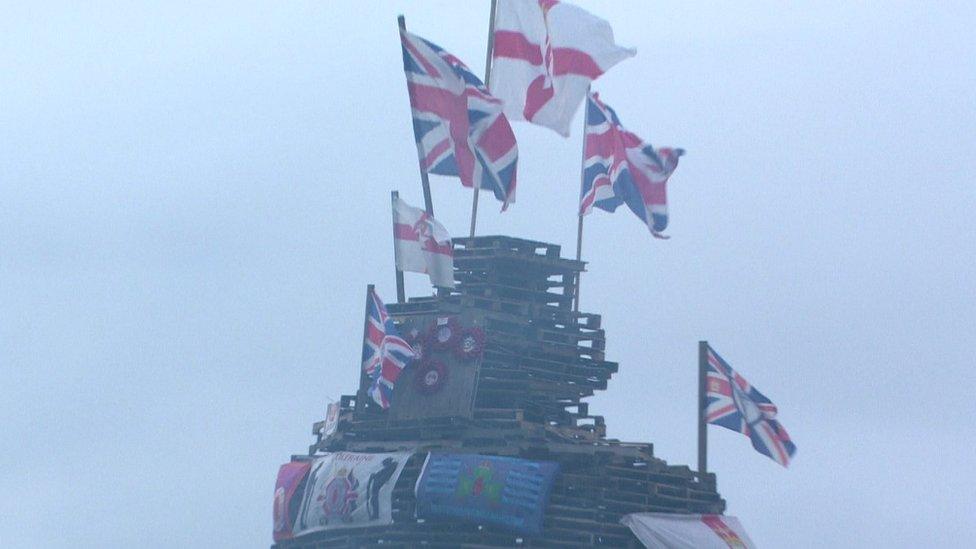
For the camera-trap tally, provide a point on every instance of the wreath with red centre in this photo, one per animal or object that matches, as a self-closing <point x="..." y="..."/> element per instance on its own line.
<point x="470" y="344"/>
<point x="444" y="333"/>
<point x="430" y="376"/>
<point x="418" y="341"/>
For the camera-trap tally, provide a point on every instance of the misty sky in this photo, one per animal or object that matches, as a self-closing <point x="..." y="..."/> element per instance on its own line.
<point x="194" y="195"/>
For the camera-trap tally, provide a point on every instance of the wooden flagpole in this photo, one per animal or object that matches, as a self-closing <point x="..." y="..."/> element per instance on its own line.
<point x="491" y="46"/>
<point x="361" y="395"/>
<point x="401" y="293"/>
<point x="579" y="274"/>
<point x="579" y="212"/>
<point x="702" y="391"/>
<point x="428" y="203"/>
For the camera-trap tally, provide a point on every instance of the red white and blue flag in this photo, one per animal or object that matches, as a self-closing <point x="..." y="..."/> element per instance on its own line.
<point x="735" y="404"/>
<point x="619" y="168"/>
<point x="385" y="353"/>
<point x="545" y="55"/>
<point x="459" y="127"/>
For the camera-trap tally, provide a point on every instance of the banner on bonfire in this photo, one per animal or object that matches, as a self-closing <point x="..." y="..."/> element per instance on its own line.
<point x="289" y="490"/>
<point x="348" y="489"/>
<point x="507" y="492"/>
<point x="331" y="419"/>
<point x="678" y="531"/>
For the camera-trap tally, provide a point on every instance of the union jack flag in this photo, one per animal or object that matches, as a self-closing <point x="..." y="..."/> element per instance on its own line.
<point x="735" y="404"/>
<point x="459" y="126"/>
<point x="385" y="353"/>
<point x="619" y="168"/>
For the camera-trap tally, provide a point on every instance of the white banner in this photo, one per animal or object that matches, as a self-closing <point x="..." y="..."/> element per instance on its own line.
<point x="331" y="419"/>
<point x="674" y="531"/>
<point x="348" y="489"/>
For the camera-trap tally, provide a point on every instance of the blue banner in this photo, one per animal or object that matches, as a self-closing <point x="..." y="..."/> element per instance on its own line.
<point x="507" y="492"/>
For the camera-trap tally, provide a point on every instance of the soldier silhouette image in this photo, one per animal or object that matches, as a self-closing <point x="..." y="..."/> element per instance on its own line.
<point x="373" y="485"/>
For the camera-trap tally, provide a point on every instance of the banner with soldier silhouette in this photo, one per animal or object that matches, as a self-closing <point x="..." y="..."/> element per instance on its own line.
<point x="349" y="489"/>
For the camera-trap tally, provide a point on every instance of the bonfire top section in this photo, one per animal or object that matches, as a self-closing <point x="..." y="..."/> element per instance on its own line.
<point x="501" y="246"/>
<point x="505" y="338"/>
<point x="515" y="270"/>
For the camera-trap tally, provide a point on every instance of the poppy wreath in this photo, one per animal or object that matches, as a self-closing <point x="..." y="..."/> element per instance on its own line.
<point x="443" y="335"/>
<point x="430" y="376"/>
<point x="418" y="341"/>
<point x="470" y="344"/>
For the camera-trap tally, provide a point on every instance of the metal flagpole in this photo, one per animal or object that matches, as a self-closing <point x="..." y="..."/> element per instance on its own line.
<point x="401" y="294"/>
<point x="702" y="431"/>
<point x="428" y="203"/>
<point x="491" y="46"/>
<point x="579" y="223"/>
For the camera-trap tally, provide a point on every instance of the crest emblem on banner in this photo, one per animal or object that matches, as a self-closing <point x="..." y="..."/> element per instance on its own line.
<point x="341" y="496"/>
<point x="479" y="482"/>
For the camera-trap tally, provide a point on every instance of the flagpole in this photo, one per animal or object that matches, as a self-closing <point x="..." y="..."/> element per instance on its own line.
<point x="363" y="379"/>
<point x="425" y="182"/>
<point x="702" y="431"/>
<point x="491" y="46"/>
<point x="579" y="212"/>
<point x="401" y="294"/>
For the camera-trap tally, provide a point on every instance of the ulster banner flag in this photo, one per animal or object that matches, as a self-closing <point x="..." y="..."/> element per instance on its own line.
<point x="422" y="245"/>
<point x="676" y="531"/>
<point x="545" y="55"/>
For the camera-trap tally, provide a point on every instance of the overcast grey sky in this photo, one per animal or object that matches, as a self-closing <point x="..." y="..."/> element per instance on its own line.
<point x="193" y="197"/>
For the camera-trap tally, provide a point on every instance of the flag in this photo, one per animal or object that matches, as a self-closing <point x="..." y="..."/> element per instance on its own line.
<point x="545" y="55"/>
<point x="459" y="127"/>
<point x="619" y="168"/>
<point x="735" y="404"/>
<point x="682" y="531"/>
<point x="422" y="244"/>
<point x="385" y="353"/>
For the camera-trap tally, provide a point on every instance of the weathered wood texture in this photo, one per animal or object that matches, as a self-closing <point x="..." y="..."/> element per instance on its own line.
<point x="541" y="359"/>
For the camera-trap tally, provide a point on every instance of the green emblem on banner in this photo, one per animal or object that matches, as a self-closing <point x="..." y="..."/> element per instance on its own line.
<point x="478" y="482"/>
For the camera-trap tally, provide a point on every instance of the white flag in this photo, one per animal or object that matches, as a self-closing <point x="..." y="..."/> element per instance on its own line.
<point x="422" y="245"/>
<point x="677" y="531"/>
<point x="545" y="55"/>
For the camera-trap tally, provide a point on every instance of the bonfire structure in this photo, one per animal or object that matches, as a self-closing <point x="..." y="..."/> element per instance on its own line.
<point x="505" y="364"/>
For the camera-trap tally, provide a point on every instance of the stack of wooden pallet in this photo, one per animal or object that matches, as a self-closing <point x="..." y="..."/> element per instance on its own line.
<point x="540" y="360"/>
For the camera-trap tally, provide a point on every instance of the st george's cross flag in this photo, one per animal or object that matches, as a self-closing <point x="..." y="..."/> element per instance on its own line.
<point x="619" y="168"/>
<point x="385" y="353"/>
<point x="459" y="127"/>
<point x="422" y="244"/>
<point x="735" y="404"/>
<point x="545" y="55"/>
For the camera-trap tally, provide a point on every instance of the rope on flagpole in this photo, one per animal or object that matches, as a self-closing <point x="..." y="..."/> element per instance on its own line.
<point x="491" y="47"/>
